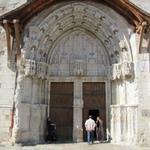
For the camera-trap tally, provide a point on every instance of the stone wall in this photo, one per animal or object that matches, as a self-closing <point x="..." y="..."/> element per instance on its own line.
<point x="144" y="96"/>
<point x="140" y="91"/>
<point x="7" y="85"/>
<point x="31" y="109"/>
<point x="7" y="76"/>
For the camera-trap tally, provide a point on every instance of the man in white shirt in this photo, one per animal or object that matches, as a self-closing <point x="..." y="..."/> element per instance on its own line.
<point x="90" y="127"/>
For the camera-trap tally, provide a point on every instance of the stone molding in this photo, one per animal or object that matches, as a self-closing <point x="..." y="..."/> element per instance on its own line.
<point x="78" y="103"/>
<point x="28" y="11"/>
<point x="124" y="105"/>
<point x="115" y="72"/>
<point x="124" y="123"/>
<point x="40" y="44"/>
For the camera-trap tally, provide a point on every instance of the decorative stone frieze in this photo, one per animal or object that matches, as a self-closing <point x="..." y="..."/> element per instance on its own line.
<point x="124" y="123"/>
<point x="33" y="68"/>
<point x="78" y="68"/>
<point x="30" y="67"/>
<point x="64" y="42"/>
<point x="128" y="69"/>
<point x="67" y="19"/>
<point x="121" y="71"/>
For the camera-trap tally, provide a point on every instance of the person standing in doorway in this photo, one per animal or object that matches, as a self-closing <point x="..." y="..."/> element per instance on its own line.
<point x="51" y="131"/>
<point x="99" y="129"/>
<point x="90" y="127"/>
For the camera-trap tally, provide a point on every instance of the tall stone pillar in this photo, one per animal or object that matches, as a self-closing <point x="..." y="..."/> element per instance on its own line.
<point x="77" y="112"/>
<point x="21" y="130"/>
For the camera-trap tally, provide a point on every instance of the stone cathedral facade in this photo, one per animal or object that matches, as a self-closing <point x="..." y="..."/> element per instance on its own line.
<point x="68" y="59"/>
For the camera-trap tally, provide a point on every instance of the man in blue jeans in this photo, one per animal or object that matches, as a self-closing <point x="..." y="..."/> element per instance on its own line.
<point x="90" y="127"/>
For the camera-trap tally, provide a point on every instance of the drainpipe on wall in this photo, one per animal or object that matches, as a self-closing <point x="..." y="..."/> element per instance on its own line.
<point x="12" y="120"/>
<point x="13" y="109"/>
<point x="18" y="56"/>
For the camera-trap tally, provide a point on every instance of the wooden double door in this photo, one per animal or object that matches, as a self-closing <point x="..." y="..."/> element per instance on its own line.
<point x="61" y="106"/>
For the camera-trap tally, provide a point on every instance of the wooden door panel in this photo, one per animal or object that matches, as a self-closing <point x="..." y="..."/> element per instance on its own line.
<point x="62" y="136"/>
<point x="61" y="101"/>
<point x="63" y="115"/>
<point x="61" y="109"/>
<point x="62" y="88"/>
<point x="94" y="99"/>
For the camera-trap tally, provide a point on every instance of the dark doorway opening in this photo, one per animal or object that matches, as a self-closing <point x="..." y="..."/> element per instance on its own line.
<point x="94" y="113"/>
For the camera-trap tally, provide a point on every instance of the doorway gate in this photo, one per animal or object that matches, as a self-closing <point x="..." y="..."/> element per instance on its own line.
<point x="94" y="98"/>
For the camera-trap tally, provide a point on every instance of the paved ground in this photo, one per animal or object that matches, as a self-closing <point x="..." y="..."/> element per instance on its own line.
<point x="71" y="146"/>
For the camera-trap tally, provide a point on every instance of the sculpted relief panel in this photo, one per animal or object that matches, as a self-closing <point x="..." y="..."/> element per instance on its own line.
<point x="76" y="40"/>
<point x="87" y="17"/>
<point x="78" y="54"/>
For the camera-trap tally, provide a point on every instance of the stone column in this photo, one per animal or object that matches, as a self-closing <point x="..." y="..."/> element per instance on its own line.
<point x="21" y="130"/>
<point x="48" y="98"/>
<point x="77" y="112"/>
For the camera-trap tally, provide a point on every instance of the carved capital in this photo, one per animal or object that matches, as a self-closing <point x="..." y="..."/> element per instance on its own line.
<point x="128" y="69"/>
<point x="30" y="68"/>
<point x="33" y="68"/>
<point x="121" y="71"/>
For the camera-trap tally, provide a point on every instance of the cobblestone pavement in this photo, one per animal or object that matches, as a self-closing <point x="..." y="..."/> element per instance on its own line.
<point x="71" y="146"/>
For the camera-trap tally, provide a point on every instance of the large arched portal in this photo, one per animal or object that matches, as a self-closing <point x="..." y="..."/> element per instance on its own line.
<point x="77" y="55"/>
<point x="74" y="57"/>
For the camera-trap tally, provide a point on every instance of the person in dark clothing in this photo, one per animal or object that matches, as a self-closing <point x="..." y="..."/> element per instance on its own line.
<point x="99" y="129"/>
<point x="51" y="131"/>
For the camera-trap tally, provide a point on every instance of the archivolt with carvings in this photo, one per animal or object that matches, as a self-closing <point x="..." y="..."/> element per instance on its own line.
<point x="76" y="39"/>
<point x="25" y="13"/>
<point x="69" y="17"/>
